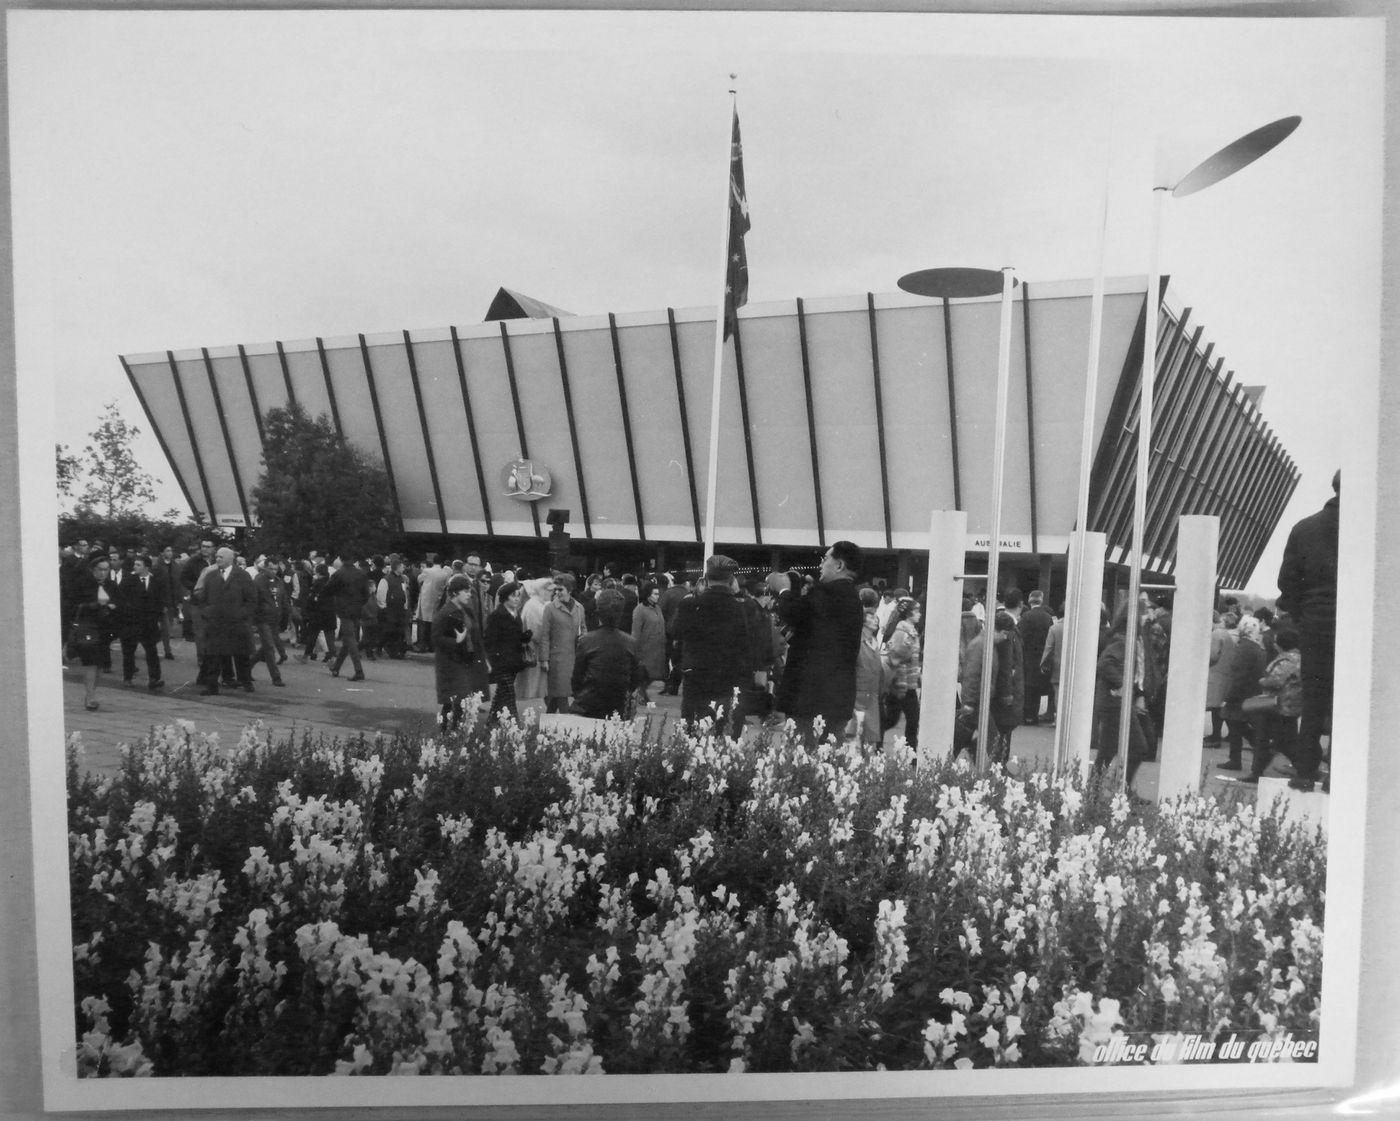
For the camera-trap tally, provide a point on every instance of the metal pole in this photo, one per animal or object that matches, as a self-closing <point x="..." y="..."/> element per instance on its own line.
<point x="1144" y="453"/>
<point x="1008" y="282"/>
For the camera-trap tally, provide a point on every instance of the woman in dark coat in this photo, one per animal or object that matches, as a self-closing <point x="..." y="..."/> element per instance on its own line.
<point x="1109" y="681"/>
<point x="649" y="629"/>
<point x="458" y="663"/>
<point x="505" y="639"/>
<point x="1008" y="686"/>
<point x="94" y="600"/>
<point x="318" y="614"/>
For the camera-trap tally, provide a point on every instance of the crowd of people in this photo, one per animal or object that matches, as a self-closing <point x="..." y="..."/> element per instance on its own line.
<point x="832" y="651"/>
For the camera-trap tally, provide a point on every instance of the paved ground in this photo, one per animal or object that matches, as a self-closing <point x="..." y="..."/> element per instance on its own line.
<point x="397" y="696"/>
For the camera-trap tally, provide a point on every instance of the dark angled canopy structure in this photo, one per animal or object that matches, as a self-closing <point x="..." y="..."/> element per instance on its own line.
<point x="844" y="417"/>
<point x="515" y="305"/>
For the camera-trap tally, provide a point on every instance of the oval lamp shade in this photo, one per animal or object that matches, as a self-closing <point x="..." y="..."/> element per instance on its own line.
<point x="954" y="284"/>
<point x="1236" y="155"/>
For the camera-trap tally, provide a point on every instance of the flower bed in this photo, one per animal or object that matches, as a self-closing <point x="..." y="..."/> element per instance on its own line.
<point x="525" y="901"/>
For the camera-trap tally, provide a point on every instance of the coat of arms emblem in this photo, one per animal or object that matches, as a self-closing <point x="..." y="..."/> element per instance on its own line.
<point x="525" y="479"/>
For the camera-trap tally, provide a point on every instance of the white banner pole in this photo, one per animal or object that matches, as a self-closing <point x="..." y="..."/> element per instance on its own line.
<point x="938" y="704"/>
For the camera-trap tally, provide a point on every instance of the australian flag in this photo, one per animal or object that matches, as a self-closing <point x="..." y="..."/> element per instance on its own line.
<point x="736" y="280"/>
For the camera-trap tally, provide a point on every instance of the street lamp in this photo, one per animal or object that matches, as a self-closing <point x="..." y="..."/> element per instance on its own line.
<point x="960" y="283"/>
<point x="1233" y="157"/>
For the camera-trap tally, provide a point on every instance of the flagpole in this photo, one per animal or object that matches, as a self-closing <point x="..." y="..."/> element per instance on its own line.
<point x="1076" y="646"/>
<point x="712" y="475"/>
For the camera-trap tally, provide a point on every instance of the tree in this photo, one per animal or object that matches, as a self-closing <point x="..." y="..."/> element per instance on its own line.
<point x="319" y="491"/>
<point x="116" y="486"/>
<point x="139" y="531"/>
<point x="66" y="469"/>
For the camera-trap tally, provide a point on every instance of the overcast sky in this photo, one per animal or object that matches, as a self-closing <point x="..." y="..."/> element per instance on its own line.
<point x="186" y="179"/>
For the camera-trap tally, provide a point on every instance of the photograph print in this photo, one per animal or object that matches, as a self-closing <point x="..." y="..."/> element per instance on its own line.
<point x="638" y="545"/>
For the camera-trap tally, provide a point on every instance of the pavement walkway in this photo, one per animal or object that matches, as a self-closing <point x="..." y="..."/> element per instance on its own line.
<point x="396" y="696"/>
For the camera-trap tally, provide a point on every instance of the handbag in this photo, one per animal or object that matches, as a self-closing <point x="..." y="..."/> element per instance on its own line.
<point x="82" y="637"/>
<point x="1259" y="705"/>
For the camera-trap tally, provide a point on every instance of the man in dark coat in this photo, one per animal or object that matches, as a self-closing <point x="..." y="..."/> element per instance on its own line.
<point x="227" y="599"/>
<point x="606" y="666"/>
<point x="1034" y="628"/>
<point x="163" y="567"/>
<point x="671" y="599"/>
<point x="141" y="599"/>
<point x="713" y="639"/>
<point x="825" y="621"/>
<point x="754" y="698"/>
<point x="348" y="589"/>
<point x="267" y="613"/>
<point x="394" y="598"/>
<point x="630" y="599"/>
<point x="1307" y="584"/>
<point x="190" y="572"/>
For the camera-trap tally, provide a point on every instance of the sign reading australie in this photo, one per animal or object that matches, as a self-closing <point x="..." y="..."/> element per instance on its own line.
<point x="526" y="480"/>
<point x="984" y="542"/>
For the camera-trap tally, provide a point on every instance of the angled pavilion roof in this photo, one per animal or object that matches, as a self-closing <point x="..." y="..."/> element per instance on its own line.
<point x="840" y="417"/>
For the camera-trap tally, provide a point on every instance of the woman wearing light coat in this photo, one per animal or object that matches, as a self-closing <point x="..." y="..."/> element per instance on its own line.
<point x="1222" y="646"/>
<point x="564" y="622"/>
<point x="530" y="682"/>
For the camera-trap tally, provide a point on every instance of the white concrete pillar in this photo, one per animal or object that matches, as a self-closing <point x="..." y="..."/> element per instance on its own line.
<point x="1075" y="704"/>
<point x="1198" y="542"/>
<point x="947" y="550"/>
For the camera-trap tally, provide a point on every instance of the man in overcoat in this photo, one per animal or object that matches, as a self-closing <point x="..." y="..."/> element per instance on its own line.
<point x="715" y="650"/>
<point x="163" y="567"/>
<point x="348" y="588"/>
<point x="141" y="600"/>
<point x="227" y="600"/>
<point x="432" y="580"/>
<point x="1034" y="629"/>
<point x="1307" y="585"/>
<point x="267" y="613"/>
<point x="825" y="620"/>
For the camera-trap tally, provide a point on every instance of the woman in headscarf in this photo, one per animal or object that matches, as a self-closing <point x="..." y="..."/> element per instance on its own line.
<point x="94" y="600"/>
<point x="530" y="682"/>
<point x="1247" y="665"/>
<point x="1276" y="727"/>
<point x="969" y="627"/>
<point x="902" y="648"/>
<point x="866" y="726"/>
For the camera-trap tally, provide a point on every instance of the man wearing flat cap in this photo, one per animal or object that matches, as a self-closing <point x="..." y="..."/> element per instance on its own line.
<point x="714" y="645"/>
<point x="825" y="619"/>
